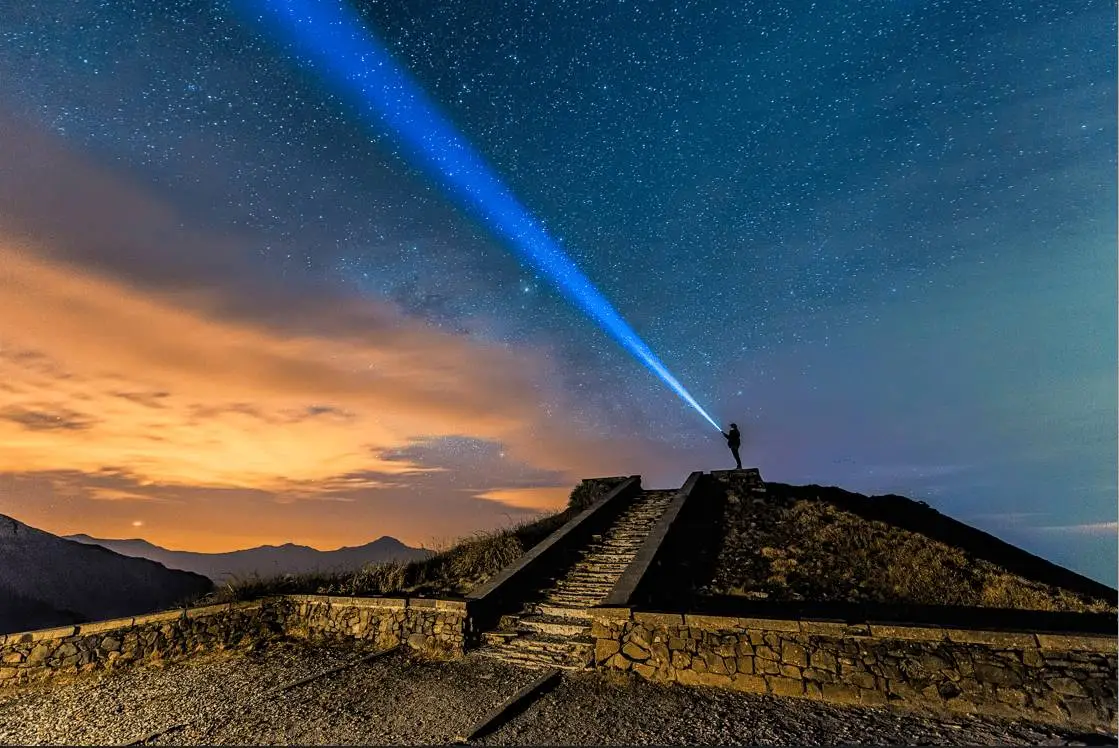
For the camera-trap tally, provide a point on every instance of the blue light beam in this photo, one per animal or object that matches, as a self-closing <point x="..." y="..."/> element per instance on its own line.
<point x="328" y="37"/>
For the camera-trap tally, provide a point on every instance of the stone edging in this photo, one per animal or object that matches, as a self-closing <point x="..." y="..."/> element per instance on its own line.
<point x="486" y="602"/>
<point x="1059" y="678"/>
<point x="118" y="624"/>
<point x="1048" y="640"/>
<point x="436" y="627"/>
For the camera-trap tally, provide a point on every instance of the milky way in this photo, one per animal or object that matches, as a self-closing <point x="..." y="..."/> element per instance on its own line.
<point x="880" y="237"/>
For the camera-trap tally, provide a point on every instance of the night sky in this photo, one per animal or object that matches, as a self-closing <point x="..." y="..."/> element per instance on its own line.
<point x="881" y="237"/>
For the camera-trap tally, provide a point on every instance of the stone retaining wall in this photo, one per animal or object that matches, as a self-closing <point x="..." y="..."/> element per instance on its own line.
<point x="1062" y="679"/>
<point x="435" y="627"/>
<point x="175" y="634"/>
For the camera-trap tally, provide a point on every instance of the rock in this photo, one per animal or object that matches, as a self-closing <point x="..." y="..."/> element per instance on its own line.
<point x="39" y="654"/>
<point x="859" y="678"/>
<point x="786" y="686"/>
<point x="794" y="654"/>
<point x="840" y="692"/>
<point x="604" y="649"/>
<point x="1066" y="686"/>
<point x="1083" y="711"/>
<point x="766" y="653"/>
<point x="997" y="674"/>
<point x="110" y="644"/>
<point x="634" y="652"/>
<point x="749" y="683"/>
<point x="822" y="660"/>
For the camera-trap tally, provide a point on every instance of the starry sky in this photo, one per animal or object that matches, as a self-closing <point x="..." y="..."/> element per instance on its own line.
<point x="881" y="237"/>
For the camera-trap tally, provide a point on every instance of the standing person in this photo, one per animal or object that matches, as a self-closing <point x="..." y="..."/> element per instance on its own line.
<point x="734" y="441"/>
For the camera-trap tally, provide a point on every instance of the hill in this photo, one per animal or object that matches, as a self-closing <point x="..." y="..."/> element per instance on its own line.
<point x="266" y="560"/>
<point x="824" y="544"/>
<point x="48" y="581"/>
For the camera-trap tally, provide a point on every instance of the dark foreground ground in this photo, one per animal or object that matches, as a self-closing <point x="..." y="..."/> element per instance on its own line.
<point x="400" y="699"/>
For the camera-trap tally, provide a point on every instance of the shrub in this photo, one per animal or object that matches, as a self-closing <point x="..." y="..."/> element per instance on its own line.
<point x="589" y="491"/>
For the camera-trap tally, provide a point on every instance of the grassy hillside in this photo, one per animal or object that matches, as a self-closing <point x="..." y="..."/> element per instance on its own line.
<point x="448" y="574"/>
<point x="796" y="544"/>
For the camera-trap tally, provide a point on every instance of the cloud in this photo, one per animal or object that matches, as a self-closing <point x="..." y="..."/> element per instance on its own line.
<point x="537" y="499"/>
<point x="1091" y="528"/>
<point x="146" y="360"/>
<point x="1007" y="518"/>
<point x="238" y="403"/>
<point x="100" y="493"/>
<point x="47" y="419"/>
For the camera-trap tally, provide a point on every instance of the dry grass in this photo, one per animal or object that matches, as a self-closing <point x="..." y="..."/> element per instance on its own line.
<point x="449" y="573"/>
<point x="590" y="491"/>
<point x="801" y="549"/>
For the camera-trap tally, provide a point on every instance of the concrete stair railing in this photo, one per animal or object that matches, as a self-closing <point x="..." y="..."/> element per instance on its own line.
<point x="553" y="629"/>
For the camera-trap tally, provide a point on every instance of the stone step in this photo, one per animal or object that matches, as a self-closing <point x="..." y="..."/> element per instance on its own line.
<point x="615" y="553"/>
<point x="581" y="588"/>
<point x="499" y="637"/>
<point x="584" y="586"/>
<point x="555" y="626"/>
<point x="539" y="642"/>
<point x="615" y="561"/>
<point x="561" y="611"/>
<point x="573" y="600"/>
<point x="601" y="567"/>
<point x="587" y="597"/>
<point x="526" y="650"/>
<point x="611" y="553"/>
<point x="587" y="579"/>
<point x="591" y="577"/>
<point x="534" y="662"/>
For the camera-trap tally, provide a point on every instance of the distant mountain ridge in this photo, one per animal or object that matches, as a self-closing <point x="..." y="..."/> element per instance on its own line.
<point x="265" y="560"/>
<point x="50" y="581"/>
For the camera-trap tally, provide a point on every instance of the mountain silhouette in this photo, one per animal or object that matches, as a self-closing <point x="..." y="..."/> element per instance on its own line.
<point x="46" y="580"/>
<point x="265" y="560"/>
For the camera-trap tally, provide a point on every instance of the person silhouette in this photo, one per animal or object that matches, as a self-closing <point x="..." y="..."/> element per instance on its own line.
<point x="734" y="441"/>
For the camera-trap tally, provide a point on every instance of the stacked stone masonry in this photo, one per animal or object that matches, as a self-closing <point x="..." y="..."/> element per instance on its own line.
<point x="435" y="627"/>
<point x="1069" y="680"/>
<point x="160" y="636"/>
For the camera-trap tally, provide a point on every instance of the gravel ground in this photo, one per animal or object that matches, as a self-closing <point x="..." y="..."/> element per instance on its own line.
<point x="400" y="699"/>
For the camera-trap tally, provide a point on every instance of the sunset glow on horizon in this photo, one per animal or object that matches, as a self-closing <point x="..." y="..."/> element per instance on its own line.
<point x="880" y="238"/>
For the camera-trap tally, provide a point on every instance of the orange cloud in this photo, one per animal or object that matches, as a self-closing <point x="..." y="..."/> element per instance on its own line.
<point x="101" y="374"/>
<point x="544" y="499"/>
<point x="142" y="365"/>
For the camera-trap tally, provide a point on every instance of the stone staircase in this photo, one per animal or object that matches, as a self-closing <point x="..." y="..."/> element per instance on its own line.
<point x="554" y="629"/>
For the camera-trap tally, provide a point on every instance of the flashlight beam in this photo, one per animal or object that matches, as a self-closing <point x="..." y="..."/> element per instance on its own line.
<point x="328" y="36"/>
